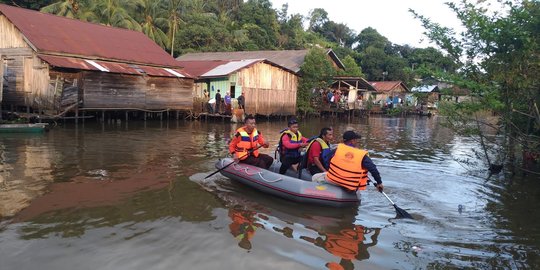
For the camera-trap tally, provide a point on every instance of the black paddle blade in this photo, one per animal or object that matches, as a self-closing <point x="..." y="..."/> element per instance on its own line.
<point x="400" y="213"/>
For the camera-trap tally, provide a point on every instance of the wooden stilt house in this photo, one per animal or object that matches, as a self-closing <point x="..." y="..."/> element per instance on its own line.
<point x="269" y="79"/>
<point x="268" y="88"/>
<point x="390" y="91"/>
<point x="50" y="63"/>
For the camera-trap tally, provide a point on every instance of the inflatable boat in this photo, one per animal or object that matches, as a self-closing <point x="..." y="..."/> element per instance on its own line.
<point x="288" y="186"/>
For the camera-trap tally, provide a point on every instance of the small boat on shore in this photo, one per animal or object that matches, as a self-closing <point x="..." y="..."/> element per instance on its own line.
<point x="23" y="128"/>
<point x="288" y="186"/>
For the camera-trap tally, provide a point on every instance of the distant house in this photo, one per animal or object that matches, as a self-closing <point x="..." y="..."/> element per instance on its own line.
<point x="269" y="89"/>
<point x="431" y="98"/>
<point x="50" y="62"/>
<point x="389" y="90"/>
<point x="357" y="90"/>
<point x="270" y="85"/>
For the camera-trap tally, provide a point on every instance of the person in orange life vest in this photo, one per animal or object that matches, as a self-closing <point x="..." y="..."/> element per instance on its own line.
<point x="246" y="139"/>
<point x="318" y="152"/>
<point x="290" y="142"/>
<point x="349" y="166"/>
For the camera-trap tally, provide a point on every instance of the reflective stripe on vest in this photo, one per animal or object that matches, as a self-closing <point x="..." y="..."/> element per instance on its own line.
<point x="247" y="142"/>
<point x="325" y="153"/>
<point x="346" y="168"/>
<point x="295" y="139"/>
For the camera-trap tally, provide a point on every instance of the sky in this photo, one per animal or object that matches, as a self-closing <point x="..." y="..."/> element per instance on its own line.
<point x="390" y="18"/>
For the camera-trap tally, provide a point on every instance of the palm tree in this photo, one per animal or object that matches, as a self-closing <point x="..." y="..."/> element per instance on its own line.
<point x="173" y="8"/>
<point x="66" y="8"/>
<point x="117" y="13"/>
<point x="153" y="22"/>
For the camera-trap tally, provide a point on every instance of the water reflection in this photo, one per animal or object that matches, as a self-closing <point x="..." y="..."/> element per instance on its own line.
<point x="97" y="191"/>
<point x="243" y="225"/>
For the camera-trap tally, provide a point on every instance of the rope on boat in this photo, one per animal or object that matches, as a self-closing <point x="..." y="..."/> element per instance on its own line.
<point x="246" y="171"/>
<point x="269" y="181"/>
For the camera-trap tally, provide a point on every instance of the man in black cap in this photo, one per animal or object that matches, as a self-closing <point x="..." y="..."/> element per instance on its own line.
<point x="350" y="165"/>
<point x="290" y="143"/>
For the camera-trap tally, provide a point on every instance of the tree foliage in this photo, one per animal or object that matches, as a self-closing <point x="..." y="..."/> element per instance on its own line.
<point x="317" y="73"/>
<point x="500" y="57"/>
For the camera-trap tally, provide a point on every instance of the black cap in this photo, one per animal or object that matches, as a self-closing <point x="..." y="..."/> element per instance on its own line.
<point x="292" y="122"/>
<point x="350" y="135"/>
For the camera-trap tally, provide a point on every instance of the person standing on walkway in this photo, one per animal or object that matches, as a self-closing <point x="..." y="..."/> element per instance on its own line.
<point x="227" y="101"/>
<point x="242" y="102"/>
<point x="218" y="101"/>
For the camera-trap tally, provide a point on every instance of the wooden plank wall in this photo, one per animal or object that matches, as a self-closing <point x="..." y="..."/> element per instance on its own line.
<point x="118" y="91"/>
<point x="1" y="77"/>
<point x="64" y="88"/>
<point x="10" y="36"/>
<point x="14" y="88"/>
<point x="269" y="90"/>
<point x="36" y="84"/>
<point x="169" y="93"/>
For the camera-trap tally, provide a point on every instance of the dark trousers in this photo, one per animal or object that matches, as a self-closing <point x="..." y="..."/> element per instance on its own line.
<point x="286" y="163"/>
<point x="262" y="161"/>
<point x="313" y="169"/>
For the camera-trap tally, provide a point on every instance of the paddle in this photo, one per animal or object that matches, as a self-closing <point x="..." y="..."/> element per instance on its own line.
<point x="400" y="213"/>
<point x="247" y="154"/>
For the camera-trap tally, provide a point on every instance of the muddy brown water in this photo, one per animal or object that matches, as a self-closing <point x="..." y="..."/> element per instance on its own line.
<point x="117" y="196"/>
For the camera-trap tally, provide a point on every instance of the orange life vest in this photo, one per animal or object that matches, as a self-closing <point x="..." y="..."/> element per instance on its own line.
<point x="247" y="142"/>
<point x="346" y="168"/>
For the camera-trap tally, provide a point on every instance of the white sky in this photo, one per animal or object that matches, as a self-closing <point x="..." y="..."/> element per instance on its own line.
<point x="390" y="18"/>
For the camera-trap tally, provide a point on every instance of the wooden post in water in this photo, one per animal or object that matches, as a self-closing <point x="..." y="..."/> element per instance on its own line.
<point x="103" y="116"/>
<point x="127" y="116"/>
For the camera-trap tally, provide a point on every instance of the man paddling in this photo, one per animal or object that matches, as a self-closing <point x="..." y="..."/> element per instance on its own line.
<point x="350" y="165"/>
<point x="244" y="145"/>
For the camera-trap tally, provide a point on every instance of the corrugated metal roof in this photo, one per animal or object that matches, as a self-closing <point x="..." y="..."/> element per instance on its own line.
<point x="59" y="35"/>
<point x="198" y="68"/>
<point x="425" y="89"/>
<point x="388" y="85"/>
<point x="113" y="67"/>
<point x="230" y="67"/>
<point x="288" y="59"/>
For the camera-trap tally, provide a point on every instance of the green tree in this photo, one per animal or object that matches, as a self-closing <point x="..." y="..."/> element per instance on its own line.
<point x="118" y="13"/>
<point x="259" y="19"/>
<point x="373" y="61"/>
<point x="351" y="68"/>
<point x="500" y="57"/>
<point x="317" y="73"/>
<point x="203" y="33"/>
<point x="30" y="4"/>
<point x="369" y="37"/>
<point x="291" y="32"/>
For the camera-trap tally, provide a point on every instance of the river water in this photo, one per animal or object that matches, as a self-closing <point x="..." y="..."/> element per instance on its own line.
<point x="133" y="196"/>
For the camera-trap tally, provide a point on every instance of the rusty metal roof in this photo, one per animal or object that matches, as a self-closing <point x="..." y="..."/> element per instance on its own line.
<point x="50" y="34"/>
<point x="198" y="68"/>
<point x="288" y="59"/>
<point x="387" y="86"/>
<point x="113" y="67"/>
